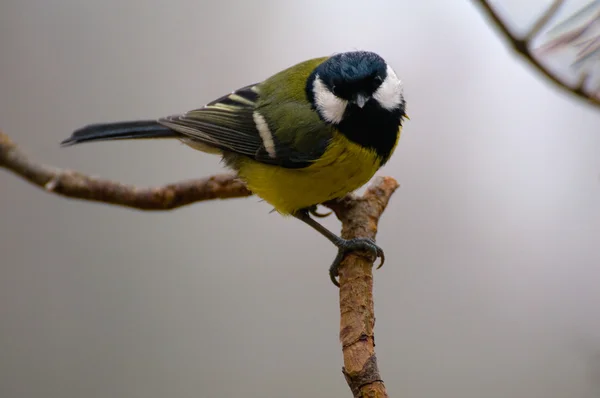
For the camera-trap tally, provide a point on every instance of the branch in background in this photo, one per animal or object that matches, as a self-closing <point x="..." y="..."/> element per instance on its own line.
<point x="584" y="37"/>
<point x="359" y="217"/>
<point x="522" y="45"/>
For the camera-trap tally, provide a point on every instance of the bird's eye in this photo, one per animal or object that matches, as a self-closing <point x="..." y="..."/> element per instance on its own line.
<point x="376" y="82"/>
<point x="333" y="89"/>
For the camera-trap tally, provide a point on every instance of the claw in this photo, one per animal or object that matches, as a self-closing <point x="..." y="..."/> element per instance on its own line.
<point x="344" y="246"/>
<point x="349" y="246"/>
<point x="313" y="210"/>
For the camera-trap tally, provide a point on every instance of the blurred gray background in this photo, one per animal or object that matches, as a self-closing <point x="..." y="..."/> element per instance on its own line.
<point x="492" y="282"/>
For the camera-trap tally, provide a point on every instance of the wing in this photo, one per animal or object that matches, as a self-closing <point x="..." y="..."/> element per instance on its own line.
<point x="250" y="122"/>
<point x="225" y="123"/>
<point x="238" y="123"/>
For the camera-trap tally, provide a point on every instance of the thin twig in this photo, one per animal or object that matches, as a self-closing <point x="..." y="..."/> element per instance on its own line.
<point x="543" y="20"/>
<point x="522" y="46"/>
<point x="359" y="217"/>
<point x="79" y="186"/>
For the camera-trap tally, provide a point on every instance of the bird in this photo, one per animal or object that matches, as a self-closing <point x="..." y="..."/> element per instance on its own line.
<point x="309" y="134"/>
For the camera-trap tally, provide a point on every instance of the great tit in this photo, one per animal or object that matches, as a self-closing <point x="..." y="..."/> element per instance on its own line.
<point x="306" y="135"/>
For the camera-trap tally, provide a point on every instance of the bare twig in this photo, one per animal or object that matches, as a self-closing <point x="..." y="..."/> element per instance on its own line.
<point x="584" y="37"/>
<point x="522" y="46"/>
<point x="76" y="185"/>
<point x="543" y="20"/>
<point x="359" y="217"/>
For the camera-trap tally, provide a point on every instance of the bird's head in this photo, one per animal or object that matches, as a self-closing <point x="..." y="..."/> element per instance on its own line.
<point x="353" y="82"/>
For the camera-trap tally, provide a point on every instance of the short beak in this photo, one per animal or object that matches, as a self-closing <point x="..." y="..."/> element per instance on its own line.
<point x="361" y="100"/>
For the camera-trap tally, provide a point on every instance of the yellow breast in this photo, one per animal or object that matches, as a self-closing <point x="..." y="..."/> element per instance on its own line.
<point x="343" y="168"/>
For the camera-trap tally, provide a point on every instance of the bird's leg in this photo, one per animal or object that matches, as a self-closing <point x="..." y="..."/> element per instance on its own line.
<point x="344" y="246"/>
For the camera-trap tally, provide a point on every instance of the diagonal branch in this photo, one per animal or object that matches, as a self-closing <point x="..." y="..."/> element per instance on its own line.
<point x="359" y="217"/>
<point x="522" y="46"/>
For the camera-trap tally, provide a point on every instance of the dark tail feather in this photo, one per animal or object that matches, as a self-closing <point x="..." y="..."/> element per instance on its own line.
<point x="119" y="131"/>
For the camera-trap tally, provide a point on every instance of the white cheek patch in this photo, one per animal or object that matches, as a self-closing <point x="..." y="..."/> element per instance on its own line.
<point x="389" y="94"/>
<point x="330" y="107"/>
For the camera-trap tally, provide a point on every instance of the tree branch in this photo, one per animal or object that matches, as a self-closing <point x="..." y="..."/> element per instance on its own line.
<point x="76" y="185"/>
<point x="522" y="46"/>
<point x="359" y="217"/>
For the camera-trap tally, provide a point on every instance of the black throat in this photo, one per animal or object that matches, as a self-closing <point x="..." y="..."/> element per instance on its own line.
<point x="373" y="127"/>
